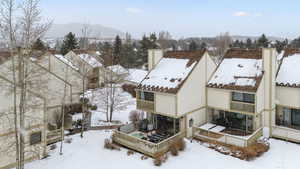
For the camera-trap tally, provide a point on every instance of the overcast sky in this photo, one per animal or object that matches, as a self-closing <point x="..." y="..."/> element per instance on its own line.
<point x="182" y="18"/>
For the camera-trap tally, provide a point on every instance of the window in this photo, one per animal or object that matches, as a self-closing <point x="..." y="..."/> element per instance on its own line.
<point x="35" y="138"/>
<point x="296" y="117"/>
<point x="288" y="117"/>
<point x="243" y="97"/>
<point x="191" y="122"/>
<point x="147" y="96"/>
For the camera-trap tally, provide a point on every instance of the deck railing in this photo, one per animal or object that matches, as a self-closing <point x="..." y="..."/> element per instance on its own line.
<point x="240" y="141"/>
<point x="240" y="106"/>
<point x="145" y="105"/>
<point x="144" y="146"/>
<point x="53" y="136"/>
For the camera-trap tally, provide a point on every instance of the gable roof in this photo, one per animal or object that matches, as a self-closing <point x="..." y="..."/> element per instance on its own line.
<point x="239" y="70"/>
<point x="171" y="71"/>
<point x="288" y="73"/>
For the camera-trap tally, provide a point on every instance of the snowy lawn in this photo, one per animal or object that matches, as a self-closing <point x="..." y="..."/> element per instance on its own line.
<point x="88" y="153"/>
<point x="120" y="115"/>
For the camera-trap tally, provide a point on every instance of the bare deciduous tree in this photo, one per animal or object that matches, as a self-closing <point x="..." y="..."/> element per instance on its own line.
<point x="222" y="43"/>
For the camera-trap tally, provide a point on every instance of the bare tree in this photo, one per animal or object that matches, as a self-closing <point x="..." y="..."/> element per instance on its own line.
<point x="24" y="34"/>
<point x="85" y="34"/>
<point x="222" y="43"/>
<point x="8" y="30"/>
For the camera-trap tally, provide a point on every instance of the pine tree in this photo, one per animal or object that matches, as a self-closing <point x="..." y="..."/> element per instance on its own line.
<point x="69" y="43"/>
<point x="249" y="43"/>
<point x="39" y="45"/>
<point x="117" y="50"/>
<point x="263" y="41"/>
<point x="193" y="46"/>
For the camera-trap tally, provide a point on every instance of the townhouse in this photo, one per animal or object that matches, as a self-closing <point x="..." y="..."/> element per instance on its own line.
<point x="90" y="65"/>
<point x="173" y="97"/>
<point x="45" y="96"/>
<point x="286" y="121"/>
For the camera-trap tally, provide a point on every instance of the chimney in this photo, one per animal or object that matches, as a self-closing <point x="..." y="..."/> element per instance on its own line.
<point x="154" y="56"/>
<point x="269" y="67"/>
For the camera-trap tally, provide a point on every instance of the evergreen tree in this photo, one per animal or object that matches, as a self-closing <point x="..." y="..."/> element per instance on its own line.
<point x="153" y="40"/>
<point x="117" y="50"/>
<point x="143" y="51"/>
<point x="263" y="41"/>
<point x="249" y="43"/>
<point x="193" y="46"/>
<point x="295" y="43"/>
<point x="203" y="45"/>
<point x="69" y="43"/>
<point x="39" y="45"/>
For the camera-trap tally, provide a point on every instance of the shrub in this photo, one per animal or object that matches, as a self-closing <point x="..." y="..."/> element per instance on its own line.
<point x="93" y="107"/>
<point x="180" y="144"/>
<point x="68" y="140"/>
<point x="135" y="116"/>
<point x="108" y="144"/>
<point x="174" y="150"/>
<point x="130" y="89"/>
<point x="157" y="161"/>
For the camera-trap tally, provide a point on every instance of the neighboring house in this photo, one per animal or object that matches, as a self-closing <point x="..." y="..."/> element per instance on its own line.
<point x="116" y="74"/>
<point x="287" y="118"/>
<point x="44" y="98"/>
<point x="36" y="129"/>
<point x="173" y="97"/>
<point x="240" y="97"/>
<point x="135" y="76"/>
<point x="89" y="64"/>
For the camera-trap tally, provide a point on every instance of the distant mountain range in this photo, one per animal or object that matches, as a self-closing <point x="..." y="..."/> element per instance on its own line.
<point x="244" y="38"/>
<point x="97" y="31"/>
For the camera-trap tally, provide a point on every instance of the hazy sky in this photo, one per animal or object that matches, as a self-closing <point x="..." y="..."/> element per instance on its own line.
<point x="182" y="18"/>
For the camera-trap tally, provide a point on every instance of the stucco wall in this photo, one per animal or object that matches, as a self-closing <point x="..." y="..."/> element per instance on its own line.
<point x="165" y="104"/>
<point x="218" y="98"/>
<point x="288" y="96"/>
<point x="192" y="94"/>
<point x="33" y="122"/>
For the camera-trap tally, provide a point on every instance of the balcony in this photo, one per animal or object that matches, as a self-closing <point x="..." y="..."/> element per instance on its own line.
<point x="219" y="134"/>
<point x="244" y="107"/>
<point x="145" y="105"/>
<point x="138" y="141"/>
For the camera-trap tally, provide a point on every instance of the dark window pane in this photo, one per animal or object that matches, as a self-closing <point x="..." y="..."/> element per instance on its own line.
<point x="35" y="138"/>
<point x="237" y="96"/>
<point x="147" y="96"/>
<point x="248" y="98"/>
<point x="296" y="117"/>
<point x="243" y="97"/>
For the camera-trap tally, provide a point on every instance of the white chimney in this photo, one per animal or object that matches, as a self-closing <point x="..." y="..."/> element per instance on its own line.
<point x="269" y="66"/>
<point x="154" y="56"/>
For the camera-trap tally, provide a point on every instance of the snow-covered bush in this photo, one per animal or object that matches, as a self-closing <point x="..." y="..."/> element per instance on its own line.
<point x="157" y="161"/>
<point x="135" y="116"/>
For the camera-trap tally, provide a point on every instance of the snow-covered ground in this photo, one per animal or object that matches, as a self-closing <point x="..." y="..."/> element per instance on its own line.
<point x="121" y="115"/>
<point x="88" y="153"/>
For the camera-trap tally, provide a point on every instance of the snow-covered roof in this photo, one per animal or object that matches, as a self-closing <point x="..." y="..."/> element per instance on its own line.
<point x="171" y="71"/>
<point x="66" y="61"/>
<point x="118" y="69"/>
<point x="91" y="60"/>
<point x="240" y="73"/>
<point x="288" y="74"/>
<point x="136" y="75"/>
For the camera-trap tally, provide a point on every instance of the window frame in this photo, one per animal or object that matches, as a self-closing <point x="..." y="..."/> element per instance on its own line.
<point x="243" y="97"/>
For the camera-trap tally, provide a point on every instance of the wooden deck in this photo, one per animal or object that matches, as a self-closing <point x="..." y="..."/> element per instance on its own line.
<point x="148" y="148"/>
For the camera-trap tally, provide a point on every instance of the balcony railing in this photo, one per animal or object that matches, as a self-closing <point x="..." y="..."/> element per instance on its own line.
<point x="145" y="105"/>
<point x="240" y="106"/>
<point x="240" y="141"/>
<point x="144" y="146"/>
